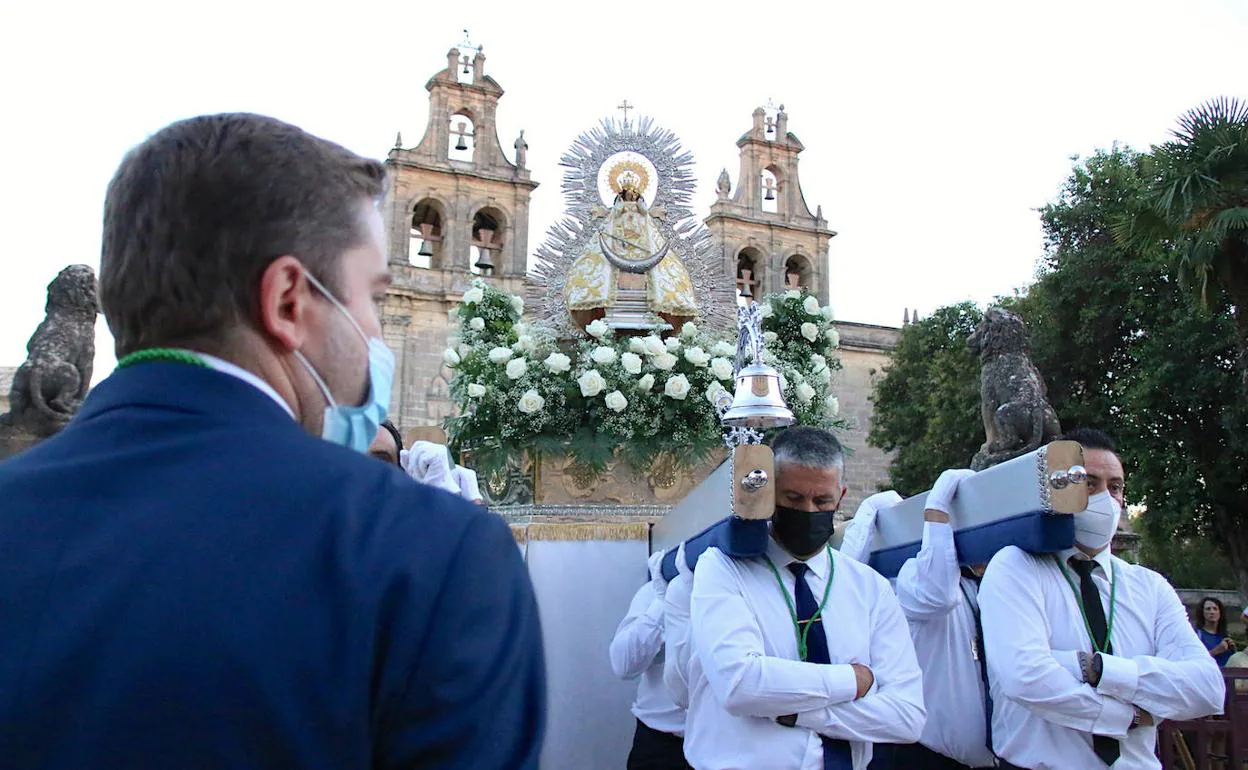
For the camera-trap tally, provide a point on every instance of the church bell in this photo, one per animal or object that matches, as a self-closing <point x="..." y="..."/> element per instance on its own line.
<point x="758" y="402"/>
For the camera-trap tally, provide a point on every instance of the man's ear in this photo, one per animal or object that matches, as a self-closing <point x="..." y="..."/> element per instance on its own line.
<point x="285" y="299"/>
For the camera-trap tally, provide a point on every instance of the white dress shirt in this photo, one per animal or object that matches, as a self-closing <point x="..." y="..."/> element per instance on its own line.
<point x="676" y="635"/>
<point x="1044" y="715"/>
<point x="744" y="669"/>
<point x="637" y="651"/>
<point x="933" y="595"/>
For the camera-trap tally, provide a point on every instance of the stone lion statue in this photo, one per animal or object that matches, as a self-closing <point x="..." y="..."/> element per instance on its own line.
<point x="1017" y="416"/>
<point x="50" y="386"/>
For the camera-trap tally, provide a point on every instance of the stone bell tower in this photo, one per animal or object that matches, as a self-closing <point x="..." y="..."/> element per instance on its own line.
<point x="769" y="237"/>
<point x="456" y="208"/>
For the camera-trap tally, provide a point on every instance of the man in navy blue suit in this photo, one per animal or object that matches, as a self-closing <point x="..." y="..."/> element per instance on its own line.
<point x="204" y="569"/>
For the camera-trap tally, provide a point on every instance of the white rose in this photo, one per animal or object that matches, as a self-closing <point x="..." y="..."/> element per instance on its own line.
<point x="636" y="345"/>
<point x="672" y="344"/>
<point x="500" y="355"/>
<point x="811" y="306"/>
<point x="810" y="331"/>
<point x="531" y="402"/>
<point x="473" y="295"/>
<point x="591" y="383"/>
<point x="645" y="383"/>
<point x="677" y="387"/>
<point x="603" y="355"/>
<point x="597" y="328"/>
<point x="769" y="338"/>
<point x="521" y="328"/>
<point x="463" y="350"/>
<point x="713" y="392"/>
<point x="477" y="324"/>
<point x="615" y="401"/>
<point x="834" y="406"/>
<point x="805" y="393"/>
<point x="516" y="368"/>
<point x="558" y="363"/>
<point x="632" y="363"/>
<point x="834" y="338"/>
<point x="518" y="304"/>
<point x="721" y="368"/>
<point x="664" y="362"/>
<point x="824" y="376"/>
<point x="689" y="329"/>
<point x="654" y="346"/>
<point x="475" y="390"/>
<point x="726" y="349"/>
<point x="451" y="357"/>
<point x="826" y="312"/>
<point x="792" y="294"/>
<point x="696" y="356"/>
<point x="818" y="363"/>
<point x="526" y="344"/>
<point x="765" y="311"/>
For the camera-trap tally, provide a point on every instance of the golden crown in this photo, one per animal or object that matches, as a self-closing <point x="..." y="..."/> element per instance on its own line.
<point x="628" y="175"/>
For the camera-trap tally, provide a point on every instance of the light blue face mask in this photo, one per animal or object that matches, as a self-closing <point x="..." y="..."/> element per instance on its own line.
<point x="355" y="427"/>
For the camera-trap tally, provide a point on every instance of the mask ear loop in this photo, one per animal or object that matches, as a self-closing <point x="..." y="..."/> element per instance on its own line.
<point x="329" y="296"/>
<point x="329" y="397"/>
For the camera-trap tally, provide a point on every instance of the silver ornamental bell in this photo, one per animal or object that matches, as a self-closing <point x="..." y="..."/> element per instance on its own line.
<point x="758" y="402"/>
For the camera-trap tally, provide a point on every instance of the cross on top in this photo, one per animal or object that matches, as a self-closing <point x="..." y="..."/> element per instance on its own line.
<point x="625" y="107"/>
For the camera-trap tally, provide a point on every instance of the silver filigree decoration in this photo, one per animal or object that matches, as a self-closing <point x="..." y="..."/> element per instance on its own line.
<point x="1042" y="472"/>
<point x="675" y="185"/>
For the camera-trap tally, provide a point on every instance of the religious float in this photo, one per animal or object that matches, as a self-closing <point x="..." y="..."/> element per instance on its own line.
<point x="593" y="406"/>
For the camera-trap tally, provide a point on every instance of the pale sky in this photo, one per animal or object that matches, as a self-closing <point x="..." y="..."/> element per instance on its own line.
<point x="933" y="130"/>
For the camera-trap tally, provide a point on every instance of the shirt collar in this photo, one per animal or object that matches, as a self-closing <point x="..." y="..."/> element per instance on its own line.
<point x="1102" y="559"/>
<point x="234" y="370"/>
<point x="782" y="559"/>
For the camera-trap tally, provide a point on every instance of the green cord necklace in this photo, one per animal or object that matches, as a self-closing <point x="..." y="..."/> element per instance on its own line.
<point x="168" y="355"/>
<point x="1113" y="592"/>
<point x="802" y="627"/>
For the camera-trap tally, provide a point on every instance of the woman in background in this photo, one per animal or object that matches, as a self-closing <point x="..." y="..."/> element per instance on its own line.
<point x="1211" y="628"/>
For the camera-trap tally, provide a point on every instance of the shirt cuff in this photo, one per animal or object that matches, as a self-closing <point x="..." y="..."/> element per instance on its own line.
<point x="1119" y="677"/>
<point x="1115" y="718"/>
<point x="841" y="683"/>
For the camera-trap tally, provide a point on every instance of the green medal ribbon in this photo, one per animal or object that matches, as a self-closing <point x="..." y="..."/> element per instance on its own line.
<point x="167" y="355"/>
<point x="1113" y="592"/>
<point x="802" y="627"/>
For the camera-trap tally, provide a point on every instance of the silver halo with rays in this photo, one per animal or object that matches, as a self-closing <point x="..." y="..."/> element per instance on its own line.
<point x="567" y="240"/>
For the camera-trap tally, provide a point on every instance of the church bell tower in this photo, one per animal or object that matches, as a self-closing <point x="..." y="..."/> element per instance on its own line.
<point x="770" y="239"/>
<point x="457" y="208"/>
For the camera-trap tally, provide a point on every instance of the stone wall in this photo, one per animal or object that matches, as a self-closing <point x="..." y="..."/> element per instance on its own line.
<point x="865" y="351"/>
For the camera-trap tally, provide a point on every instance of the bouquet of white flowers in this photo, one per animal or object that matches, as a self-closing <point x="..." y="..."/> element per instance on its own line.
<point x="639" y="398"/>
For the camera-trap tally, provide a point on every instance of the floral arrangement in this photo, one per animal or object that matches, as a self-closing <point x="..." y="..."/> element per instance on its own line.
<point x="642" y="399"/>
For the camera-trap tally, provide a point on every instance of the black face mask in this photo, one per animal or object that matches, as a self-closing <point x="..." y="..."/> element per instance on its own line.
<point x="802" y="533"/>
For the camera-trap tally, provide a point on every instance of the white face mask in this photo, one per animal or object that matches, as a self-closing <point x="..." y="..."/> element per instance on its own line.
<point x="1095" y="525"/>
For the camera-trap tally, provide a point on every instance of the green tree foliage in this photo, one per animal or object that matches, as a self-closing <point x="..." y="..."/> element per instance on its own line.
<point x="927" y="404"/>
<point x="1123" y="345"/>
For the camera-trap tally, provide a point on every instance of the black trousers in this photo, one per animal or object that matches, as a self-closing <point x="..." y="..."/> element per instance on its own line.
<point x="655" y="750"/>
<point x="910" y="756"/>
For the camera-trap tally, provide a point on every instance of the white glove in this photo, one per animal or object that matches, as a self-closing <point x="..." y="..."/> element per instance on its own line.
<point x="945" y="489"/>
<point x="860" y="532"/>
<point x="682" y="564"/>
<point x="430" y="463"/>
<point x="467" y="480"/>
<point x="656" y="573"/>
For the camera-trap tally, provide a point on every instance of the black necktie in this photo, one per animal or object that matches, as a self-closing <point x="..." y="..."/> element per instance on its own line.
<point x="1108" y="749"/>
<point x="836" y="753"/>
<point x="973" y="603"/>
